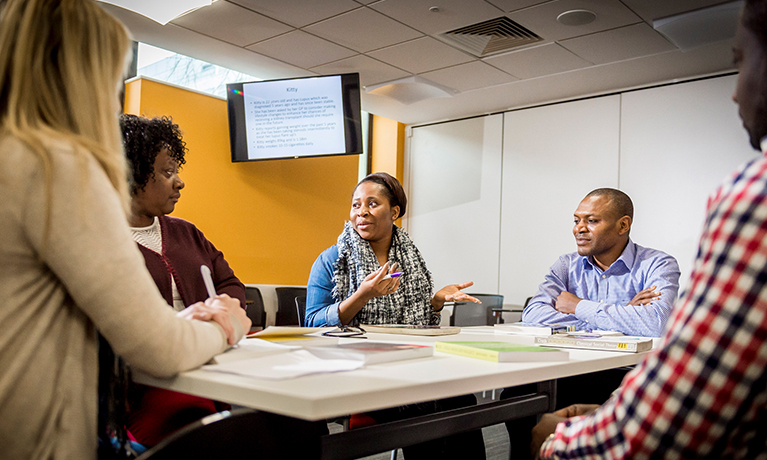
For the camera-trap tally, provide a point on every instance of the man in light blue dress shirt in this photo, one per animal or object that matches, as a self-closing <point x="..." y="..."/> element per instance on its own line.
<point x="611" y="283"/>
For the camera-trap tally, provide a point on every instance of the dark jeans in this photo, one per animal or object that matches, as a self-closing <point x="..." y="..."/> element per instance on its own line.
<point x="593" y="388"/>
<point x="464" y="446"/>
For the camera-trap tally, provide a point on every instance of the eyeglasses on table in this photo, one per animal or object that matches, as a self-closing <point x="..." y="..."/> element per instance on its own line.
<point x="346" y="331"/>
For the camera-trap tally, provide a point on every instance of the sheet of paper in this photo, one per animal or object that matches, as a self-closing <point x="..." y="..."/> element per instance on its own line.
<point x="596" y="333"/>
<point x="283" y="366"/>
<point x="249" y="349"/>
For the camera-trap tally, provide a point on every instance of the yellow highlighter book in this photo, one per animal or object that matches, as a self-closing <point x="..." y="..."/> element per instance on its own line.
<point x="502" y="351"/>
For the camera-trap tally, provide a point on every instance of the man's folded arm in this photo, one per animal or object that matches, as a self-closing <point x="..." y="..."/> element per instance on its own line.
<point x="541" y="307"/>
<point x="643" y="320"/>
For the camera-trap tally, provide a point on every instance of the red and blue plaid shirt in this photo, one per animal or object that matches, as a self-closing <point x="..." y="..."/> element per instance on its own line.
<point x="704" y="392"/>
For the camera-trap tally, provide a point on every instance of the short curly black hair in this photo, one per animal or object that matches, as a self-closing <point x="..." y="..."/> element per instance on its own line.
<point x="143" y="138"/>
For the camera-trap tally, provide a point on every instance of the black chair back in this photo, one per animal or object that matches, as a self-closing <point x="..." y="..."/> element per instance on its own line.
<point x="301" y="309"/>
<point x="255" y="304"/>
<point x="476" y="314"/>
<point x="241" y="433"/>
<point x="286" y="305"/>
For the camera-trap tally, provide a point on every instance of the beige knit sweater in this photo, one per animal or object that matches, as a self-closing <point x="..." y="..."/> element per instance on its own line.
<point x="52" y="300"/>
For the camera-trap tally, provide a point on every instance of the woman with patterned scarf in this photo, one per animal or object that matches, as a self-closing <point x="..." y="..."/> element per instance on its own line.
<point x="348" y="284"/>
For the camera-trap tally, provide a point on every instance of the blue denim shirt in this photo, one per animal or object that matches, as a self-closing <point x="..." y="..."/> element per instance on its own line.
<point x="606" y="293"/>
<point x="321" y="309"/>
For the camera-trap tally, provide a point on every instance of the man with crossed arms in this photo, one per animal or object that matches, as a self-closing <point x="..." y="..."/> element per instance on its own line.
<point x="611" y="283"/>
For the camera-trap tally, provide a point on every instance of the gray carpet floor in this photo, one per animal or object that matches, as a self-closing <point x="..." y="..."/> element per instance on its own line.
<point x="496" y="440"/>
<point x="496" y="445"/>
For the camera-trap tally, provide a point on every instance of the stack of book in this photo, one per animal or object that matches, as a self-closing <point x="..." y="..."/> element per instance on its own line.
<point x="597" y="341"/>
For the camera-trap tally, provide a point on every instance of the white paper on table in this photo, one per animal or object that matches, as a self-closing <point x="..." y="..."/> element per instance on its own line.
<point x="596" y="333"/>
<point x="255" y="344"/>
<point x="250" y="349"/>
<point x="283" y="366"/>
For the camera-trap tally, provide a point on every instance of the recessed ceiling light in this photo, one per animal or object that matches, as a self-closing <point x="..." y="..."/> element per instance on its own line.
<point x="409" y="90"/>
<point x="434" y="9"/>
<point x="700" y="27"/>
<point x="576" y="17"/>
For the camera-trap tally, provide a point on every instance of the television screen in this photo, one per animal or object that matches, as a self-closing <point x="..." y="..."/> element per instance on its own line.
<point x="297" y="117"/>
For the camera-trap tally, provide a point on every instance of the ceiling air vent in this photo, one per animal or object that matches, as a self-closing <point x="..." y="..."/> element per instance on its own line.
<point x="491" y="37"/>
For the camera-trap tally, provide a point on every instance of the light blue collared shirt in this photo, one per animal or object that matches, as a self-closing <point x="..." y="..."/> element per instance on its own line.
<point x="606" y="294"/>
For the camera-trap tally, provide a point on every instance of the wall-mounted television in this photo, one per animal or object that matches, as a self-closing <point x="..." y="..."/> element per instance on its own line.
<point x="297" y="117"/>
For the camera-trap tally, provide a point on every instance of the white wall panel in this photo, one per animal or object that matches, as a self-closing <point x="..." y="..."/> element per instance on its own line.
<point x="678" y="143"/>
<point x="552" y="157"/>
<point x="501" y="219"/>
<point x="454" y="178"/>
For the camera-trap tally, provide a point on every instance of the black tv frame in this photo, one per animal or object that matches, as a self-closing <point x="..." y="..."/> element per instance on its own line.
<point x="352" y="118"/>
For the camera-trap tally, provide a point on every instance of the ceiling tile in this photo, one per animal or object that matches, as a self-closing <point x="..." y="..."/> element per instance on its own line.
<point x="302" y="49"/>
<point x="466" y="77"/>
<point x="363" y="30"/>
<point x="619" y="44"/>
<point x="650" y="10"/>
<point x="451" y="15"/>
<point x="542" y="19"/>
<point x="421" y="55"/>
<point x="590" y="80"/>
<point x="299" y="13"/>
<point x="534" y="62"/>
<point x="231" y="23"/>
<point x="371" y="71"/>
<point x="513" y="5"/>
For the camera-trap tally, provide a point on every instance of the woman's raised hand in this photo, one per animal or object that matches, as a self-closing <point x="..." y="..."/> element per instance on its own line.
<point x="376" y="284"/>
<point x="453" y="293"/>
<point x="218" y="309"/>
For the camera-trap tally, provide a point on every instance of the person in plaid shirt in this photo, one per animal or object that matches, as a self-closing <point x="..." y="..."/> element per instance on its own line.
<point x="704" y="392"/>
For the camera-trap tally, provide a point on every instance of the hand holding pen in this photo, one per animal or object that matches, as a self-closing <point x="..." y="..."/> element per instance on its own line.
<point x="217" y="308"/>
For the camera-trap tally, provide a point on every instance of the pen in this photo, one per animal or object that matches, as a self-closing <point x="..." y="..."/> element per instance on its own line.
<point x="208" y="280"/>
<point x="392" y="275"/>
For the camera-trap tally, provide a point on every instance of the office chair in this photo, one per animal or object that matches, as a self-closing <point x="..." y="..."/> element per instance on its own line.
<point x="301" y="309"/>
<point x="286" y="305"/>
<point x="476" y="314"/>
<point x="241" y="433"/>
<point x="255" y="311"/>
<point x="527" y="301"/>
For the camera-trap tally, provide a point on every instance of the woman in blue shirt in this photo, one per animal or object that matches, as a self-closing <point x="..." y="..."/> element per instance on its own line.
<point x="356" y="282"/>
<point x="348" y="283"/>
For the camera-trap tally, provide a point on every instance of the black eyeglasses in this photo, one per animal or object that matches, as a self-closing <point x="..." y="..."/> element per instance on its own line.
<point x="346" y="331"/>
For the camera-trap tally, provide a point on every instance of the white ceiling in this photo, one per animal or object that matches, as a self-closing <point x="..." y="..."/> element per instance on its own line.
<point x="388" y="40"/>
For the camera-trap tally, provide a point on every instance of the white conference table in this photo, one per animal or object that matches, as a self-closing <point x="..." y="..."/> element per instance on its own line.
<point x="379" y="386"/>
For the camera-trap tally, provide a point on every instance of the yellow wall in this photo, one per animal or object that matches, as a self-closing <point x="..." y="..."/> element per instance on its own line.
<point x="388" y="147"/>
<point x="270" y="218"/>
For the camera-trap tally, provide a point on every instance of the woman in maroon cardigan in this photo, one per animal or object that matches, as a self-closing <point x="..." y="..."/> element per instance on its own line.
<point x="174" y="250"/>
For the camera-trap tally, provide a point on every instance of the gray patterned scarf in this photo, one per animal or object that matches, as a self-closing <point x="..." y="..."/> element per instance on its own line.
<point x="409" y="304"/>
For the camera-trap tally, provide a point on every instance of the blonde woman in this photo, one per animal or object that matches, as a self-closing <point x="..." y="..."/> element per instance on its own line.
<point x="68" y="265"/>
